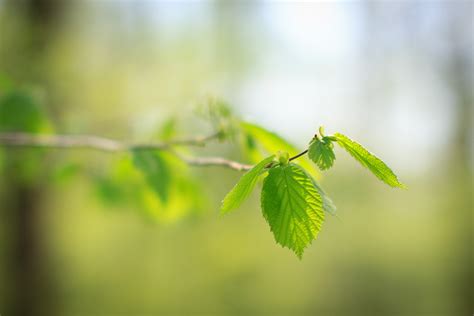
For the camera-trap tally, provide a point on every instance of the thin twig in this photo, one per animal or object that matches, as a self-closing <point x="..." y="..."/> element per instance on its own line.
<point x="212" y="161"/>
<point x="93" y="142"/>
<point x="194" y="141"/>
<point x="60" y="141"/>
<point x="299" y="155"/>
<point x="110" y="145"/>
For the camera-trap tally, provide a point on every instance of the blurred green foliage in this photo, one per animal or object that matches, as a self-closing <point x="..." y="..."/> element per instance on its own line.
<point x="19" y="112"/>
<point x="155" y="170"/>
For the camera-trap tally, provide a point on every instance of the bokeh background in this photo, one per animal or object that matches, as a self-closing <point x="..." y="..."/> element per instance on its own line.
<point x="396" y="76"/>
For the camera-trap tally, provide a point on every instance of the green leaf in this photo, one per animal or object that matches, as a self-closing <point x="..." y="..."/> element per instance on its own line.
<point x="244" y="187"/>
<point x="328" y="204"/>
<point x="321" y="153"/>
<point x="155" y="170"/>
<point x="271" y="142"/>
<point x="292" y="206"/>
<point x="369" y="160"/>
<point x="20" y="113"/>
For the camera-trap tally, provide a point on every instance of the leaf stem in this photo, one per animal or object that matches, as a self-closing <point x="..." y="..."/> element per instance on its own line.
<point x="299" y="155"/>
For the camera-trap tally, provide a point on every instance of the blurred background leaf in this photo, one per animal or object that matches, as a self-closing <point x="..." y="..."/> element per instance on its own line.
<point x="269" y="142"/>
<point x="154" y="170"/>
<point x="20" y="113"/>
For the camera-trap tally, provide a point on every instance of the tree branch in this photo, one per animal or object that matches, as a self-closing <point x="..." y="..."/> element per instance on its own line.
<point x="192" y="141"/>
<point x="110" y="145"/>
<point x="60" y="141"/>
<point x="212" y="161"/>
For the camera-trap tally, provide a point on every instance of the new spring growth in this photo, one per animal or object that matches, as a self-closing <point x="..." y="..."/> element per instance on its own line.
<point x="283" y="157"/>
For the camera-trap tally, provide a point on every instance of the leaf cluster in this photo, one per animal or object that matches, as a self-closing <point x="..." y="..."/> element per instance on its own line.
<point x="293" y="203"/>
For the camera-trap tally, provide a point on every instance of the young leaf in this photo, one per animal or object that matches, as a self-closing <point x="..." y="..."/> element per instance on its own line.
<point x="155" y="170"/>
<point x="328" y="204"/>
<point x="244" y="187"/>
<point x="292" y="206"/>
<point x="321" y="153"/>
<point x="272" y="142"/>
<point x="369" y="160"/>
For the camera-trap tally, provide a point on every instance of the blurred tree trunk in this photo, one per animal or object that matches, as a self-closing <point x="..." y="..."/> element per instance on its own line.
<point x="30" y="284"/>
<point x="459" y="76"/>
